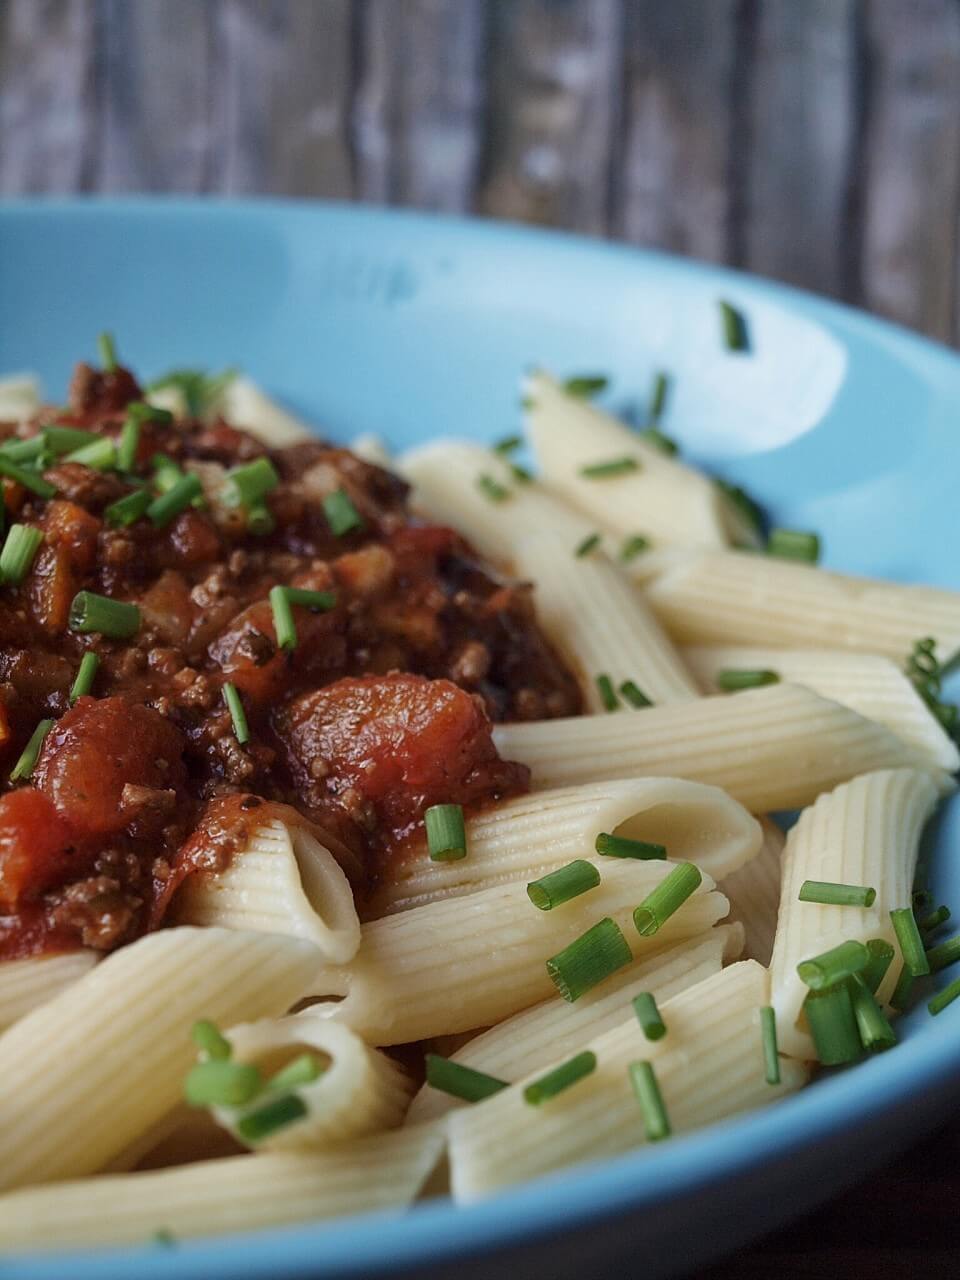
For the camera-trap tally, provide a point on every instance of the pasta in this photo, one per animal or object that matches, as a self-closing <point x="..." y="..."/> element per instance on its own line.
<point x="19" y="397"/>
<point x="754" y="894"/>
<point x="25" y="984"/>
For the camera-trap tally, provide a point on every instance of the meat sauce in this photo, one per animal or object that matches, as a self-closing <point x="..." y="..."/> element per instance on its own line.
<point x="383" y="707"/>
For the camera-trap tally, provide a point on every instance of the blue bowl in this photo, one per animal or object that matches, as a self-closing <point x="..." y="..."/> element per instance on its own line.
<point x="412" y="327"/>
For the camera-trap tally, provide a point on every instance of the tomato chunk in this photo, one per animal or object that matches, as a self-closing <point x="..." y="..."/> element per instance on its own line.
<point x="36" y="846"/>
<point x="95" y="750"/>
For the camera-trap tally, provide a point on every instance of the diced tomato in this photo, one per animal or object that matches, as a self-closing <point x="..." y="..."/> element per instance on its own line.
<point x="69" y="526"/>
<point x="248" y="654"/>
<point x="36" y="846"/>
<point x="98" y="747"/>
<point x="192" y="539"/>
<point x="50" y="589"/>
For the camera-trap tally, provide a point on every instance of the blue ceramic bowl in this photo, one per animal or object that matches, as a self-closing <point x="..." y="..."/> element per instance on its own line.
<point x="412" y="327"/>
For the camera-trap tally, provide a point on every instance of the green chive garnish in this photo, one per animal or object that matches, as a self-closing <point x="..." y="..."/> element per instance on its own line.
<point x="521" y="474"/>
<point x="28" y="479"/>
<point x="837" y="895"/>
<point x="589" y="959"/>
<point x="794" y="544"/>
<point x="200" y="391"/>
<point x="560" y="1078"/>
<point x="259" y="1124"/>
<point x="922" y="899"/>
<point x="115" y="618"/>
<point x="446" y="832"/>
<point x="658" y="397"/>
<point x="833" y="966"/>
<point x="935" y="919"/>
<point x="207" y="1037"/>
<point x="508" y="445"/>
<point x="648" y="1015"/>
<point x="735" y="334"/>
<point x="248" y="485"/>
<point x="749" y="511"/>
<point x="492" y="489"/>
<point x="666" y="444"/>
<point x="634" y="695"/>
<point x="589" y="543"/>
<point x="586" y="385"/>
<point x="833" y="1025"/>
<point x="881" y="954"/>
<point x="220" y="1083"/>
<point x="61" y="440"/>
<point x="342" y="515"/>
<point x="28" y="450"/>
<point x="85" y="676"/>
<point x="315" y="601"/>
<point x="874" y="1028"/>
<point x="163" y="509"/>
<point x="643" y="1079"/>
<point x="926" y="675"/>
<point x="129" y="443"/>
<point x="560" y="886"/>
<point x="620" y="847"/>
<point x="260" y="520"/>
<point x="108" y="352"/>
<point x="607" y="693"/>
<point x="944" y="953"/>
<point x="605" y="470"/>
<point x="283" y="623"/>
<point x="460" y="1081"/>
<point x="241" y="730"/>
<point x="669" y="895"/>
<point x="100" y="454"/>
<point x="768" y="1036"/>
<point x="901" y="992"/>
<point x="301" y="1070"/>
<point x="19" y="551"/>
<point x="28" y="757"/>
<point x="911" y="944"/>
<point x="166" y="473"/>
<point x="633" y="546"/>
<point x="128" y="510"/>
<point x="730" y="680"/>
<point x="944" y="997"/>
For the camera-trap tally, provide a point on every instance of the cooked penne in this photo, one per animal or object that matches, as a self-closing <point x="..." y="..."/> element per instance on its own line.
<point x="772" y="748"/>
<point x="873" y="686"/>
<point x="19" y="397"/>
<point x="282" y="881"/>
<point x="470" y="962"/>
<point x="379" y="1172"/>
<point x="533" y="1039"/>
<point x="597" y="618"/>
<point x="247" y="405"/>
<point x="371" y="448"/>
<point x="709" y="1065"/>
<point x="866" y="832"/>
<point x="102" y="1062"/>
<point x="26" y="984"/>
<point x="532" y="834"/>
<point x="754" y="893"/>
<point x="721" y="597"/>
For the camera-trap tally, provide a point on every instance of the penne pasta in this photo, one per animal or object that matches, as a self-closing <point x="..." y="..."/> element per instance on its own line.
<point x="597" y="618"/>
<point x="283" y="881"/>
<point x="19" y="397"/>
<point x="866" y="832"/>
<point x="246" y="405"/>
<point x="531" y="1040"/>
<point x="525" y="837"/>
<point x="771" y="748"/>
<point x="371" y="448"/>
<point x="871" y="685"/>
<point x="376" y="1173"/>
<point x="470" y="962"/>
<point x="754" y="893"/>
<point x="26" y="984"/>
<point x="104" y="1061"/>
<point x="709" y="1065"/>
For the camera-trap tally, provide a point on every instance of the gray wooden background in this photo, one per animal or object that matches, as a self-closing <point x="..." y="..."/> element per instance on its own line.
<point x="813" y="140"/>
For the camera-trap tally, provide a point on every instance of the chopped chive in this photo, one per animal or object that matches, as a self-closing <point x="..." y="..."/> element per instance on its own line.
<point x="507" y="445"/>
<point x="461" y="1081"/>
<point x="30" y="753"/>
<point x="935" y="919"/>
<point x="620" y="847"/>
<point x="643" y="1080"/>
<point x="658" y="397"/>
<point x="115" y="618"/>
<point x="492" y="489"/>
<point x="85" y="676"/>
<point x="241" y="730"/>
<point x="881" y="955"/>
<point x="911" y="944"/>
<point x="315" y="601"/>
<point x="560" y="886"/>
<point x="926" y="675"/>
<point x="768" y="1036"/>
<point x="586" y="385"/>
<point x="944" y="997"/>
<point x="108" y="352"/>
<point x="3" y="510"/>
<point x="166" y="1239"/>
<point x="734" y="324"/>
<point x="522" y="475"/>
<point x="143" y="411"/>
<point x="794" y="544"/>
<point x="260" y="520"/>
<point x="589" y="959"/>
<point x="128" y="510"/>
<point x="166" y="473"/>
<point x="19" y="551"/>
<point x="100" y="454"/>
<point x="633" y="546"/>
<point x="60" y="440"/>
<point x="129" y="444"/>
<point x="632" y="693"/>
<point x="220" y="1083"/>
<point x="615" y="467"/>
<point x="283" y="623"/>
<point x="19" y="450"/>
<point x="260" y="1124"/>
<point x="248" y="485"/>
<point x="589" y="543"/>
<point x="922" y="900"/>
<point x="748" y="510"/>
<point x="207" y="1037"/>
<point x="446" y="832"/>
<point x="560" y="1078"/>
<point x="169" y="505"/>
<point x="303" y="1069"/>
<point x="833" y="1025"/>
<point x="874" y="1027"/>
<point x="944" y="953"/>
<point x="666" y="444"/>
<point x="730" y="680"/>
<point x="901" y="992"/>
<point x="607" y="693"/>
<point x="837" y="895"/>
<point x="342" y="515"/>
<point x="31" y="480"/>
<point x="648" y="1015"/>
<point x="200" y="391"/>
<point x="833" y="966"/>
<point x="669" y="895"/>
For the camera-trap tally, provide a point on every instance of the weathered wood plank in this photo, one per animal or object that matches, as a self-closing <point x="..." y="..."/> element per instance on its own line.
<point x="285" y="68"/>
<point x="554" y="83"/>
<point x="912" y="150"/>
<point x="48" y="116"/>
<point x="672" y="188"/>
<point x="418" y="113"/>
<point x="800" y="142"/>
